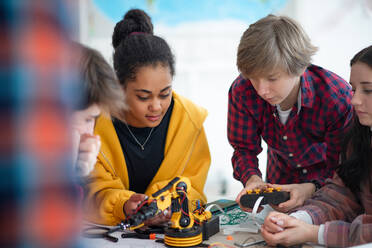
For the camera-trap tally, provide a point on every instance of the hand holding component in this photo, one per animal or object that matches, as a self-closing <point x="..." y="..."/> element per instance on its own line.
<point x="159" y="219"/>
<point x="254" y="182"/>
<point x="298" y="194"/>
<point x="132" y="203"/>
<point x="272" y="196"/>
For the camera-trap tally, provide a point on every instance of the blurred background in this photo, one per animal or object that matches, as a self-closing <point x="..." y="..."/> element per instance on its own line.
<point x="204" y="36"/>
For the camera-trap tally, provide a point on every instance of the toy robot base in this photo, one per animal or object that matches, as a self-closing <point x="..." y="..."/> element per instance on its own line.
<point x="184" y="237"/>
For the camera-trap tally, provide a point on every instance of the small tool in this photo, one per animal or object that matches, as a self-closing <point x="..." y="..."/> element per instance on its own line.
<point x="101" y="232"/>
<point x="250" y="243"/>
<point x="253" y="242"/>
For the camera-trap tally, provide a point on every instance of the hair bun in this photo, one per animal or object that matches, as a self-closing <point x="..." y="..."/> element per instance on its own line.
<point x="135" y="20"/>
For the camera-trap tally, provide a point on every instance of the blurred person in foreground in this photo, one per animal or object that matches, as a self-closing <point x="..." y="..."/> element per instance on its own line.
<point x="39" y="202"/>
<point x="101" y="93"/>
<point x="340" y="214"/>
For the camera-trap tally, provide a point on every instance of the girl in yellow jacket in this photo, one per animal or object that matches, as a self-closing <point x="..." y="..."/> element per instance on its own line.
<point x="160" y="136"/>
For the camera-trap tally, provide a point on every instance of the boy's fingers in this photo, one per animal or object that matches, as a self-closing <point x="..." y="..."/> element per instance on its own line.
<point x="240" y="195"/>
<point x="249" y="210"/>
<point x="285" y="206"/>
<point x="273" y="185"/>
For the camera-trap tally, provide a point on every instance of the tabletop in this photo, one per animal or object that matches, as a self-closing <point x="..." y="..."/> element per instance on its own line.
<point x="232" y="234"/>
<point x="219" y="240"/>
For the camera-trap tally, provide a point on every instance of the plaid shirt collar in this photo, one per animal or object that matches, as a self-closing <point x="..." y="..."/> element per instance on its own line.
<point x="307" y="94"/>
<point x="307" y="90"/>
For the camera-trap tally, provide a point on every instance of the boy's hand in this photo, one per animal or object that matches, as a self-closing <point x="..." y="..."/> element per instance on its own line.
<point x="299" y="193"/>
<point x="89" y="147"/>
<point x="254" y="182"/>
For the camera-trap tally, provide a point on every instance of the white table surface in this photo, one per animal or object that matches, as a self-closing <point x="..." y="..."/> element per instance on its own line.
<point x="132" y="242"/>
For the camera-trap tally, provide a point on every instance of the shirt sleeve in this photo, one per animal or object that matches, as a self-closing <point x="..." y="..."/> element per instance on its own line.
<point x="105" y="196"/>
<point x="345" y="234"/>
<point x="244" y="137"/>
<point x="321" y="235"/>
<point x="302" y="215"/>
<point x="341" y="212"/>
<point x="305" y="217"/>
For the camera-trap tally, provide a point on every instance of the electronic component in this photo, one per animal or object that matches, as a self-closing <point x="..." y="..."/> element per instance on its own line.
<point x="270" y="196"/>
<point x="224" y="204"/>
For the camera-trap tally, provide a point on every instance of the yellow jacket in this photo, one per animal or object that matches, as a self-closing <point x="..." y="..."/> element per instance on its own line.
<point x="186" y="154"/>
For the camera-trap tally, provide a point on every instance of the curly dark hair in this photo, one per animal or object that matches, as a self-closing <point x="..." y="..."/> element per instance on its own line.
<point x="356" y="154"/>
<point x="136" y="46"/>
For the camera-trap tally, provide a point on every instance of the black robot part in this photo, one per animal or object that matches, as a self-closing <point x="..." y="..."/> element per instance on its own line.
<point x="144" y="213"/>
<point x="275" y="198"/>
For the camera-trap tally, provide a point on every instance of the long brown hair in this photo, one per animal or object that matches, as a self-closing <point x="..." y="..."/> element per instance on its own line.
<point x="99" y="82"/>
<point x="356" y="156"/>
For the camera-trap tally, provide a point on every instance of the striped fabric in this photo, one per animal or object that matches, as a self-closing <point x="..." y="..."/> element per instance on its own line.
<point x="347" y="215"/>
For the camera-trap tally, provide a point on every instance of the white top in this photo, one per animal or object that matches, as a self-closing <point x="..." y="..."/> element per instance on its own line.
<point x="284" y="114"/>
<point x="305" y="217"/>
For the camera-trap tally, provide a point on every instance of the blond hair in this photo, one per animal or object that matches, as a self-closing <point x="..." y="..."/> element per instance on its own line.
<point x="274" y="42"/>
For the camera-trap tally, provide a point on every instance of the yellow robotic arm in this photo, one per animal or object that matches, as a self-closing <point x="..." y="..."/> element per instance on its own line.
<point x="185" y="227"/>
<point x="173" y="196"/>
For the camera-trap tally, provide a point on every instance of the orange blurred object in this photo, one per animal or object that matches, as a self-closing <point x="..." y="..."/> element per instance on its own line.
<point x="229" y="237"/>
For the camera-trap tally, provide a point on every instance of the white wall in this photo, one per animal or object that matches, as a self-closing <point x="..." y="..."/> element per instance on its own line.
<point x="340" y="28"/>
<point x="205" y="62"/>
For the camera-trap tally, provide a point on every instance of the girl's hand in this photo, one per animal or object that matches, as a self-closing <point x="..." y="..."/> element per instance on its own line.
<point x="159" y="219"/>
<point x="273" y="222"/>
<point x="294" y="231"/>
<point x="131" y="205"/>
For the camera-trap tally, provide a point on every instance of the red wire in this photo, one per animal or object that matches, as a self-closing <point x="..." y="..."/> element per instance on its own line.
<point x="142" y="204"/>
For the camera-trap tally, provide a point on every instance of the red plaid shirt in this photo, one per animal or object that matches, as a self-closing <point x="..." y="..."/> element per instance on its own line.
<point x="307" y="147"/>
